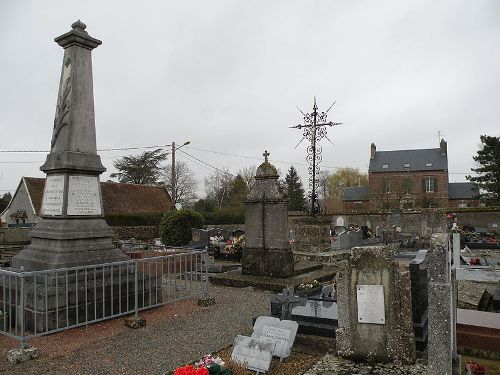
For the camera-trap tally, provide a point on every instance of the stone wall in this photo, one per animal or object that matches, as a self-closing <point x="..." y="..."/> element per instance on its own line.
<point x="310" y="234"/>
<point x="146" y="233"/>
<point x="480" y="218"/>
<point x="15" y="236"/>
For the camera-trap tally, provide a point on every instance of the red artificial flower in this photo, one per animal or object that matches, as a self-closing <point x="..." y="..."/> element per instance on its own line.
<point x="191" y="370"/>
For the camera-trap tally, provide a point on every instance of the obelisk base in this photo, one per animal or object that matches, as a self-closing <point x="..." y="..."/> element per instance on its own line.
<point x="267" y="262"/>
<point x="59" y="243"/>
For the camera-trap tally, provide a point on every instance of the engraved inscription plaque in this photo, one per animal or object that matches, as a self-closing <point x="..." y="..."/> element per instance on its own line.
<point x="83" y="195"/>
<point x="371" y="304"/>
<point x="53" y="195"/>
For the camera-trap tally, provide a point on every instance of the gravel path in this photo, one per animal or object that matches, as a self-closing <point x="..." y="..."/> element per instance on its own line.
<point x="175" y="334"/>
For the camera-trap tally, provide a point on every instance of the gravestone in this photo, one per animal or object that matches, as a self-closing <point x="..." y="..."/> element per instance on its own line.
<point x="71" y="230"/>
<point x="315" y="315"/>
<point x="252" y="352"/>
<point x="279" y="332"/>
<point x="419" y="298"/>
<point x="267" y="250"/>
<point x="374" y="308"/>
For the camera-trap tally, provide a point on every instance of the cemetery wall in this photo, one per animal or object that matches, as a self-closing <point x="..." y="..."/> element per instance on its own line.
<point x="142" y="232"/>
<point x="226" y="227"/>
<point x="479" y="218"/>
<point x="15" y="235"/>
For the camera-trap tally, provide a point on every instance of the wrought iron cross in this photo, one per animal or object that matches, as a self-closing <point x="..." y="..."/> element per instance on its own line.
<point x="288" y="299"/>
<point x="314" y="130"/>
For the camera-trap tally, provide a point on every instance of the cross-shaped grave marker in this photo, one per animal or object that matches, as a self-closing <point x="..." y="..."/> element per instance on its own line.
<point x="288" y="299"/>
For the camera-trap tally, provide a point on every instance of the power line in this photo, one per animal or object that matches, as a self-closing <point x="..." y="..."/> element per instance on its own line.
<point x="101" y="149"/>
<point x="201" y="161"/>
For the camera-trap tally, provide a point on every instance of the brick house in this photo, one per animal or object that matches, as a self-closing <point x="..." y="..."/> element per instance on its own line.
<point x="409" y="178"/>
<point x="25" y="205"/>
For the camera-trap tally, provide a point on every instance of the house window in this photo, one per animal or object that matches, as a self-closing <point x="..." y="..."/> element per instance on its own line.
<point x="428" y="165"/>
<point x="429" y="185"/>
<point x="385" y="166"/>
<point x="462" y="204"/>
<point x="407" y="165"/>
<point x="386" y="185"/>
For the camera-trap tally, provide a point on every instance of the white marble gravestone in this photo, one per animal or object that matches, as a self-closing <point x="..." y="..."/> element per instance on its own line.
<point x="253" y="352"/>
<point x="280" y="332"/>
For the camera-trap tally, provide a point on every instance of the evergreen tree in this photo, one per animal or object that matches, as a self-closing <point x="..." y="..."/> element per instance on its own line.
<point x="4" y="201"/>
<point x="295" y="190"/>
<point x="144" y="169"/>
<point x="488" y="172"/>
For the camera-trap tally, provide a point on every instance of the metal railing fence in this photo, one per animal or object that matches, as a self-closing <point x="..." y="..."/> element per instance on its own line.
<point x="37" y="303"/>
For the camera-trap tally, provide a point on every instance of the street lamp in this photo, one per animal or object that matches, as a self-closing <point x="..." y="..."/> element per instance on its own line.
<point x="173" y="168"/>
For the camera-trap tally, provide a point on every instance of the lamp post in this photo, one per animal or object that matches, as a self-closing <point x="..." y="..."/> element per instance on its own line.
<point x="174" y="199"/>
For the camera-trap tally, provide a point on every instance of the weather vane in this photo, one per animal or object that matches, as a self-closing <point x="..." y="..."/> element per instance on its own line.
<point x="314" y="130"/>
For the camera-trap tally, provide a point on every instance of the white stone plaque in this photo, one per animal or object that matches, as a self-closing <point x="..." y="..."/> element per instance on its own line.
<point x="83" y="195"/>
<point x="252" y="352"/>
<point x="53" y="194"/>
<point x="280" y="332"/>
<point x="371" y="304"/>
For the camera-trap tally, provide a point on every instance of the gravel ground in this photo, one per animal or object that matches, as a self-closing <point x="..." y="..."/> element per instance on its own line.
<point x="175" y="334"/>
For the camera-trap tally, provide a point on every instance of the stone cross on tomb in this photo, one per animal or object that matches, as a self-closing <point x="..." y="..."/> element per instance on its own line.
<point x="287" y="299"/>
<point x="266" y="154"/>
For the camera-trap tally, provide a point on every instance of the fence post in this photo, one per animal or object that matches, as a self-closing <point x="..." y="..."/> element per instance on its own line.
<point x="136" y="292"/>
<point x="21" y="305"/>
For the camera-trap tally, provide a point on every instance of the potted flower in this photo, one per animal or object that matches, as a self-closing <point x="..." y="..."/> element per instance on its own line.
<point x="234" y="247"/>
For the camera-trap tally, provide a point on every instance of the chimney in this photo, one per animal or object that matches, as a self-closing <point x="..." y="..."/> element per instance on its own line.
<point x="373" y="149"/>
<point x="444" y="147"/>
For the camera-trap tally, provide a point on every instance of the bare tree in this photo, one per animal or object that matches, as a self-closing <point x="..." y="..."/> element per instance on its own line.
<point x="218" y="185"/>
<point x="186" y="184"/>
<point x="248" y="174"/>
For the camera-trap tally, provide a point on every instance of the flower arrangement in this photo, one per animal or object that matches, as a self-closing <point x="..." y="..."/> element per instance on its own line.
<point x="208" y="365"/>
<point x="475" y="368"/>
<point x="191" y="370"/>
<point x="234" y="245"/>
<point x="216" y="240"/>
<point x="306" y="287"/>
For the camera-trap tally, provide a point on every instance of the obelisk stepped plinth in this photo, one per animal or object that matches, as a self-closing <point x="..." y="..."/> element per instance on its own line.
<point x="72" y="230"/>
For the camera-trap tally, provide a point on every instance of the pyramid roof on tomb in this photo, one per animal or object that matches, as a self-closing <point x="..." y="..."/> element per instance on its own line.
<point x="117" y="198"/>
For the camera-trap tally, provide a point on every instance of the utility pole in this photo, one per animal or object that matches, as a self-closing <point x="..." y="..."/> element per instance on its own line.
<point x="173" y="174"/>
<point x="314" y="131"/>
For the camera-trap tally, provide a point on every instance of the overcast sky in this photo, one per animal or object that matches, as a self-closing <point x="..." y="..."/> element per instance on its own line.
<point x="228" y="75"/>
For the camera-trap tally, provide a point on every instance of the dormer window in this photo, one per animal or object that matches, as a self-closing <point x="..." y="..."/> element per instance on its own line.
<point x="428" y="165"/>
<point x="385" y="166"/>
<point x="407" y="165"/>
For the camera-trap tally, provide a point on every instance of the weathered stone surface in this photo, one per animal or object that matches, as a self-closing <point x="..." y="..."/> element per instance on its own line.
<point x="206" y="301"/>
<point x="267" y="251"/>
<point x="19" y="355"/>
<point x="135" y="322"/>
<point x="391" y="341"/>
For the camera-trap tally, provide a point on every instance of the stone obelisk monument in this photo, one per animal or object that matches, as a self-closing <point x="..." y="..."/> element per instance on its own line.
<point x="72" y="230"/>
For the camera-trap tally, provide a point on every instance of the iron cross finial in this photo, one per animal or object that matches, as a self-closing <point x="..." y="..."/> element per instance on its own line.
<point x="266" y="154"/>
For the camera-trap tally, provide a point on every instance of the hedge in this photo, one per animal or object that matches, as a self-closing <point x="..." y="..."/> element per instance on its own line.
<point x="133" y="220"/>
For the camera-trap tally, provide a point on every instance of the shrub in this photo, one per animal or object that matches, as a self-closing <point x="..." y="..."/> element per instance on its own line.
<point x="224" y="217"/>
<point x="175" y="226"/>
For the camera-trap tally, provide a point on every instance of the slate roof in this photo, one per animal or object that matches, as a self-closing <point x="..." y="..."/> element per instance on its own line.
<point x="355" y="193"/>
<point x="417" y="160"/>
<point x="462" y="190"/>
<point x="116" y="197"/>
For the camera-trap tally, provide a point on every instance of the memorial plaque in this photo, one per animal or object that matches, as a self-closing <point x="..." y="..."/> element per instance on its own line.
<point x="83" y="195"/>
<point x="53" y="195"/>
<point x="252" y="352"/>
<point x="280" y="332"/>
<point x="371" y="304"/>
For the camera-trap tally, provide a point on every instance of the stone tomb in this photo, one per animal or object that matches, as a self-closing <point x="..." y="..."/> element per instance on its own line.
<point x="280" y="332"/>
<point x="253" y="352"/>
<point x="374" y="308"/>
